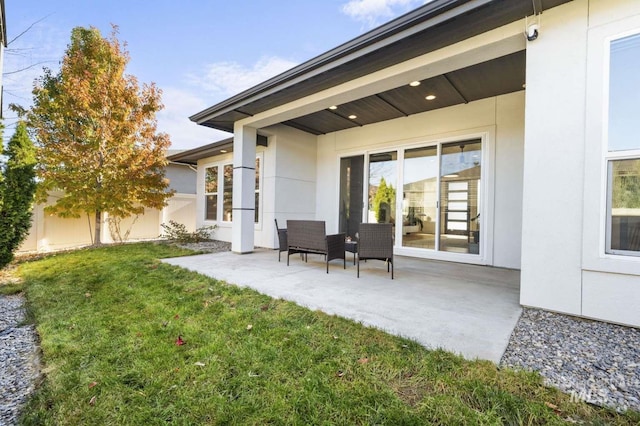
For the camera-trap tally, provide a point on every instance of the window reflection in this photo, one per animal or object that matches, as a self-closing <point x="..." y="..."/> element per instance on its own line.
<point x="382" y="187"/>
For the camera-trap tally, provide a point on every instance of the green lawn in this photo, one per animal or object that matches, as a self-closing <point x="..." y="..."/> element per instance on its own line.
<point x="109" y="320"/>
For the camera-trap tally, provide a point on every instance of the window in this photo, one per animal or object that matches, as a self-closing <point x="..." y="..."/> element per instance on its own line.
<point x="227" y="193"/>
<point x="211" y="193"/>
<point x="257" y="196"/>
<point x="382" y="187"/>
<point x="623" y="148"/>
<point x="219" y="184"/>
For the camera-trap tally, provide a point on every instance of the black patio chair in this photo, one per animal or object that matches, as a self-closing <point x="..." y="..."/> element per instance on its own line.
<point x="282" y="239"/>
<point x="375" y="241"/>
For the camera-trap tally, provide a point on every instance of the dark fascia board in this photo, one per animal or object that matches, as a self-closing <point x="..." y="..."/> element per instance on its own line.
<point x="192" y="156"/>
<point x="377" y="35"/>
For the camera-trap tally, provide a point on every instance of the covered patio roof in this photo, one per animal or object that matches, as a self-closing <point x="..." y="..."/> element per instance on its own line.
<point x="433" y="26"/>
<point x="192" y="156"/>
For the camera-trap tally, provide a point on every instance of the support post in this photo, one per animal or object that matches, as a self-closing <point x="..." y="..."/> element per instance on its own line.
<point x="244" y="181"/>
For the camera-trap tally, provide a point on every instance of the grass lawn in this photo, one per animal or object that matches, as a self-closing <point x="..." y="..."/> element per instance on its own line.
<point x="109" y="320"/>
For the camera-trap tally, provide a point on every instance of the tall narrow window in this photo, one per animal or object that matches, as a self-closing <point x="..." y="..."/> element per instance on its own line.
<point x="460" y="173"/>
<point x="257" y="196"/>
<point x="351" y="199"/>
<point x="420" y="197"/>
<point x="382" y="187"/>
<point x="227" y="193"/>
<point x="211" y="193"/>
<point x="623" y="153"/>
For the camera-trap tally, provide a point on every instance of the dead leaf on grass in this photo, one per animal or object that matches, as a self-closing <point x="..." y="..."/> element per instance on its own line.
<point x="249" y="327"/>
<point x="264" y="307"/>
<point x="92" y="401"/>
<point x="340" y="373"/>
<point x="93" y="384"/>
<point x="199" y="364"/>
<point x="554" y="407"/>
<point x="363" y="360"/>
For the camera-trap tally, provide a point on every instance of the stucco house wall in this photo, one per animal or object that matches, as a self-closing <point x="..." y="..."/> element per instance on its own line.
<point x="564" y="267"/>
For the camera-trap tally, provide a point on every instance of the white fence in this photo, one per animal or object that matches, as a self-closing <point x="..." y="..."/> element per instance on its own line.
<point x="50" y="232"/>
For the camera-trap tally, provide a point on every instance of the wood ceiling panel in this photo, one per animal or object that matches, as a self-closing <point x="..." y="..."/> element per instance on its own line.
<point x="411" y="100"/>
<point x="321" y="122"/>
<point x="492" y="78"/>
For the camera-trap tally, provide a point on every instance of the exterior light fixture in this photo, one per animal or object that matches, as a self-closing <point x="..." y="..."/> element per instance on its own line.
<point x="224" y="151"/>
<point x="353" y="116"/>
<point x="332" y="107"/>
<point x="430" y="97"/>
<point x="414" y="84"/>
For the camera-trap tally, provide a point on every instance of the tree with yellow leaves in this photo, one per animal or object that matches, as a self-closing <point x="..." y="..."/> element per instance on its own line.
<point x="96" y="134"/>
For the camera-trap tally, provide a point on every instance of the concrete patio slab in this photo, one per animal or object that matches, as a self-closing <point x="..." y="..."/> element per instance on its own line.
<point x="466" y="309"/>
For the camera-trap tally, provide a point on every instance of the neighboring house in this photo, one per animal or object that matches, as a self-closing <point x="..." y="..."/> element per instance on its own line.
<point x="50" y="232"/>
<point x="496" y="133"/>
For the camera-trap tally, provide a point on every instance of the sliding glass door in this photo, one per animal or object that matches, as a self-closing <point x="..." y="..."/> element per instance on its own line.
<point x="420" y="197"/>
<point x="459" y="197"/>
<point x="351" y="194"/>
<point x="441" y="197"/>
<point x="383" y="175"/>
<point x="440" y="192"/>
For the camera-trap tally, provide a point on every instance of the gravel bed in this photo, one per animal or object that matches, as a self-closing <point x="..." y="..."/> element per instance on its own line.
<point x="19" y="361"/>
<point x="592" y="361"/>
<point x="208" y="246"/>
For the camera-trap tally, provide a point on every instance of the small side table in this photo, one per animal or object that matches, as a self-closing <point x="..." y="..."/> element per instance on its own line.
<point x="351" y="247"/>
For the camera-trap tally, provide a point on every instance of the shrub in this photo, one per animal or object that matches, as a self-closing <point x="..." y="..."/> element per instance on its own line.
<point x="174" y="231"/>
<point x="17" y="186"/>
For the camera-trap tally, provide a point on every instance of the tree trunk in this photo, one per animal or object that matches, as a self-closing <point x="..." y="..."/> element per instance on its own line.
<point x="98" y="230"/>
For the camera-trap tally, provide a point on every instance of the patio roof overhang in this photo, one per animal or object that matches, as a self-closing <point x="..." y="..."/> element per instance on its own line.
<point x="224" y="146"/>
<point x="431" y="27"/>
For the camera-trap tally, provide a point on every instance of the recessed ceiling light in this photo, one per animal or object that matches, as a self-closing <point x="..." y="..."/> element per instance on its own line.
<point x="414" y="84"/>
<point x="353" y="116"/>
<point x="223" y="151"/>
<point x="430" y="97"/>
<point x="333" y="107"/>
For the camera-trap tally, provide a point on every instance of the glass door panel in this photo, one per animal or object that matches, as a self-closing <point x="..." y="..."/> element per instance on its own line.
<point x="351" y="194"/>
<point x="382" y="187"/>
<point x="460" y="171"/>
<point x="420" y="197"/>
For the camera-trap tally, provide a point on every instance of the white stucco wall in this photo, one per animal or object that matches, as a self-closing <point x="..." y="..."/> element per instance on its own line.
<point x="288" y="184"/>
<point x="291" y="179"/>
<point x="564" y="267"/>
<point x="223" y="231"/>
<point x="500" y="120"/>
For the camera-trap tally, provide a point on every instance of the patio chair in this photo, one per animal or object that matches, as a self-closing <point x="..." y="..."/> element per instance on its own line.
<point x="375" y="241"/>
<point x="282" y="239"/>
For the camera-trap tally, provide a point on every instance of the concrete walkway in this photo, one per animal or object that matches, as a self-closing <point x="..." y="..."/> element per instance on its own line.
<point x="466" y="309"/>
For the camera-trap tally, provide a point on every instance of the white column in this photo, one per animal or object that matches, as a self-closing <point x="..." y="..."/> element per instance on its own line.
<point x="244" y="181"/>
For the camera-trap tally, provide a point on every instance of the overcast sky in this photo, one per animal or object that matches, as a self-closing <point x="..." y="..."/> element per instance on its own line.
<point x="198" y="52"/>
